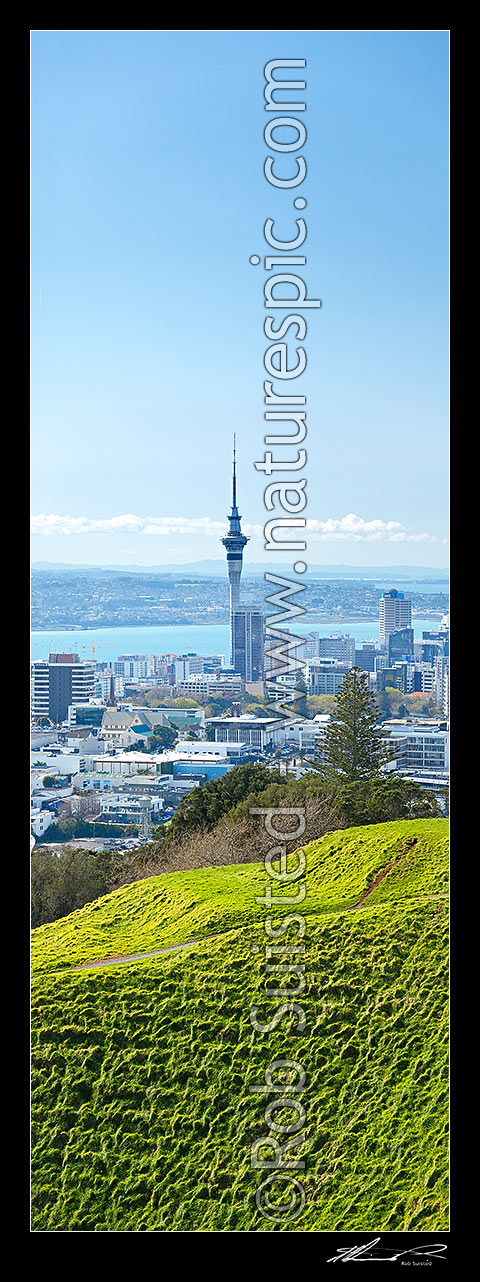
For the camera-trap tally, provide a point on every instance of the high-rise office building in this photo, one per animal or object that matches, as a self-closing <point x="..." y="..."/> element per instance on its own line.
<point x="395" y="613"/>
<point x="439" y="639"/>
<point x="234" y="543"/>
<point x="62" y="682"/>
<point x="400" y="645"/>
<point x="365" y="658"/>
<point x="247" y="642"/>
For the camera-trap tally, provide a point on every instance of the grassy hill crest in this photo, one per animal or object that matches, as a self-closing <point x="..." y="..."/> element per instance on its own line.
<point x="142" y="1115"/>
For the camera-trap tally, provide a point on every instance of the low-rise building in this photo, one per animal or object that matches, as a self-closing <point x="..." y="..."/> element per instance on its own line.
<point x="421" y="746"/>
<point x="40" y="820"/>
<point x="128" y="809"/>
<point x="257" y="732"/>
<point x="312" y="735"/>
<point x="208" y="686"/>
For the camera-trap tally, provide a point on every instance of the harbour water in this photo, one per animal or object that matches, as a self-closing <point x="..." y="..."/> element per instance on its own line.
<point x="205" y="638"/>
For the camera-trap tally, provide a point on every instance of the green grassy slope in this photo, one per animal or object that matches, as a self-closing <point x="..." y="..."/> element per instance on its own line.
<point x="143" y="1120"/>
<point x="176" y="907"/>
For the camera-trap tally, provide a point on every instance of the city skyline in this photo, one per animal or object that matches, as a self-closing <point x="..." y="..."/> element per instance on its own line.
<point x="135" y="381"/>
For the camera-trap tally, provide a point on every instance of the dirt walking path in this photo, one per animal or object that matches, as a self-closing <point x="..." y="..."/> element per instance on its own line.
<point x="383" y="873"/>
<point x="122" y="958"/>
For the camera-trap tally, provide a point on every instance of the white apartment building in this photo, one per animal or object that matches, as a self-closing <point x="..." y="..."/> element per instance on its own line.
<point x="133" y="666"/>
<point x="425" y="675"/>
<point x="416" y="677"/>
<point x="103" y="683"/>
<point x="309" y="647"/>
<point x="423" y="747"/>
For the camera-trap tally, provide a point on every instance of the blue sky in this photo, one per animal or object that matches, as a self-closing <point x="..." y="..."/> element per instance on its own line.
<point x="148" y="198"/>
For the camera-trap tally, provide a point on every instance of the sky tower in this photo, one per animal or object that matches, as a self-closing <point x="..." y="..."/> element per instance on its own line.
<point x="234" y="542"/>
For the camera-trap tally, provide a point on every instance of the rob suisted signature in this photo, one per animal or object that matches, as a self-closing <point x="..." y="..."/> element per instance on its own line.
<point x="371" y="1251"/>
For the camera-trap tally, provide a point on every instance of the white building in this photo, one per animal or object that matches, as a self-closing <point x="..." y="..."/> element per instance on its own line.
<point x="312" y="735"/>
<point x="40" y="820"/>
<point x="128" y="809"/>
<point x="103" y="686"/>
<point x="133" y="666"/>
<point x="416" y="677"/>
<point x="309" y="647"/>
<point x="422" y="746"/>
<point x="257" y="732"/>
<point x="64" y="762"/>
<point x="207" y="686"/>
<point x="395" y="613"/>
<point x="188" y="665"/>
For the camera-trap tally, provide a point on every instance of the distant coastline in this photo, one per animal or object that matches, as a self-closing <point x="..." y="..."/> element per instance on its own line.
<point x="310" y="623"/>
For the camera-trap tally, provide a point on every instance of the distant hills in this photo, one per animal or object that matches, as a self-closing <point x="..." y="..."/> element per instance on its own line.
<point x="393" y="573"/>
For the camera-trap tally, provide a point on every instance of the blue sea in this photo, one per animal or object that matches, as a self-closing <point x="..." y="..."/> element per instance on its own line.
<point x="208" y="638"/>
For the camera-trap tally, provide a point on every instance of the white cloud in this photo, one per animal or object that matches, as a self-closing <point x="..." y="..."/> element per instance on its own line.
<point x="350" y="528"/>
<point x="126" y="524"/>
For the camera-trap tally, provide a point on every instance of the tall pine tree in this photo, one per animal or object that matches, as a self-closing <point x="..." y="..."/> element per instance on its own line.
<point x="353" y="745"/>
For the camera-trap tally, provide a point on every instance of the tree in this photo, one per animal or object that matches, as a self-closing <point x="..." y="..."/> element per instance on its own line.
<point x="382" y="798"/>
<point x="353" y="745"/>
<point x="218" y="706"/>
<point x="49" y="781"/>
<point x="320" y="703"/>
<point x="163" y="737"/>
<point x="301" y="707"/>
<point x="389" y="701"/>
<point x="62" y="883"/>
<point x="205" y="805"/>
